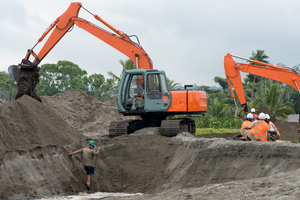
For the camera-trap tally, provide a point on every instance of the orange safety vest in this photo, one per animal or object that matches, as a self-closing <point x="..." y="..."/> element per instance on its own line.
<point x="260" y="131"/>
<point x="246" y="123"/>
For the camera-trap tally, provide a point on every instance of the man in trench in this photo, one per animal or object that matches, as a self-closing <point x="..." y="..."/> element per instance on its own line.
<point x="88" y="154"/>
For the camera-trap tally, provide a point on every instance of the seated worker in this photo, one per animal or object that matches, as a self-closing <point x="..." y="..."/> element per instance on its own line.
<point x="246" y="123"/>
<point x="140" y="95"/>
<point x="258" y="132"/>
<point x="274" y="133"/>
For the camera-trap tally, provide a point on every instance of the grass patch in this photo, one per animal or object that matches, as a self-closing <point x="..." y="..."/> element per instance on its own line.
<point x="204" y="131"/>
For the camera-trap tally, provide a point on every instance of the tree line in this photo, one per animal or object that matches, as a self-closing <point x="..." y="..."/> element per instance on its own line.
<point x="279" y="98"/>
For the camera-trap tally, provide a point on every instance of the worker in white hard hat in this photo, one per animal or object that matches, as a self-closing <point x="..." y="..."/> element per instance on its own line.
<point x="274" y="133"/>
<point x="253" y="113"/>
<point x="246" y="123"/>
<point x="258" y="132"/>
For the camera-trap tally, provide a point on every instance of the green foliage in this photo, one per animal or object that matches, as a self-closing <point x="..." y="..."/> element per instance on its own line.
<point x="204" y="131"/>
<point x="126" y="65"/>
<point x="172" y="83"/>
<point x="274" y="98"/>
<point x="217" y="123"/>
<point x="95" y="82"/>
<point x="65" y="75"/>
<point x="61" y="77"/>
<point x="295" y="98"/>
<point x="218" y="109"/>
<point x="8" y="88"/>
<point x="259" y="55"/>
<point x="114" y="80"/>
<point x="222" y="82"/>
<point x="216" y="94"/>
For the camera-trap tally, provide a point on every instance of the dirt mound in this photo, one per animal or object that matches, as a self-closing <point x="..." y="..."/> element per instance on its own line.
<point x="32" y="140"/>
<point x="27" y="123"/>
<point x="85" y="113"/>
<point x="36" y="137"/>
<point x="288" y="131"/>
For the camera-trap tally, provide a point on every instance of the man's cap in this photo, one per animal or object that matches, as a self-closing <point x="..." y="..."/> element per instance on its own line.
<point x="91" y="142"/>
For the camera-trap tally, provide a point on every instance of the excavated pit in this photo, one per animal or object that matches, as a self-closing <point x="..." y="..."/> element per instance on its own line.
<point x="36" y="137"/>
<point x="183" y="162"/>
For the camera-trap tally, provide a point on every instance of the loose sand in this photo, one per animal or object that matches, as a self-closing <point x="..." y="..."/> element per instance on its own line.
<point x="35" y="138"/>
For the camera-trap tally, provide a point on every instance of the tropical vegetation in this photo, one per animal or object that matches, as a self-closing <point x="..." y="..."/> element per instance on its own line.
<point x="280" y="99"/>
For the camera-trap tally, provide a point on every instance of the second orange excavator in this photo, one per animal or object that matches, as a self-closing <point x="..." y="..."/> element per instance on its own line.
<point x="233" y="69"/>
<point x="142" y="92"/>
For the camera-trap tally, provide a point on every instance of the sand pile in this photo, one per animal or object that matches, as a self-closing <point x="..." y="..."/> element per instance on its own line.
<point x="36" y="137"/>
<point x="84" y="113"/>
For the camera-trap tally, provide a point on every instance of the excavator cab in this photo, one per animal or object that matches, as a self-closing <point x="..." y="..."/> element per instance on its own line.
<point x="142" y="90"/>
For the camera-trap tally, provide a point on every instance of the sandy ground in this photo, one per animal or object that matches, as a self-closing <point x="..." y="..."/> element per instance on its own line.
<point x="36" y="137"/>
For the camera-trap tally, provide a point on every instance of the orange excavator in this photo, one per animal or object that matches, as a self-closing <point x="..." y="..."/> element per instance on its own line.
<point x="142" y="92"/>
<point x="233" y="69"/>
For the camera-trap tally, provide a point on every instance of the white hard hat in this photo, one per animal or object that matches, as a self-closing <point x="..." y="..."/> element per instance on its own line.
<point x="267" y="116"/>
<point x="262" y="116"/>
<point x="249" y="116"/>
<point x="252" y="109"/>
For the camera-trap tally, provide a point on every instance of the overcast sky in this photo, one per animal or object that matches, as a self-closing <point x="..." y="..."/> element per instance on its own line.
<point x="187" y="39"/>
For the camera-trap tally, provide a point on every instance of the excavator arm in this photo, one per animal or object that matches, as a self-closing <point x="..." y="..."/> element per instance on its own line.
<point x="26" y="73"/>
<point x="233" y="69"/>
<point x="66" y="21"/>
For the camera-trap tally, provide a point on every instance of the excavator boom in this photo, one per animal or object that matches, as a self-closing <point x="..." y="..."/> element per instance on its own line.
<point x="233" y="69"/>
<point x="119" y="41"/>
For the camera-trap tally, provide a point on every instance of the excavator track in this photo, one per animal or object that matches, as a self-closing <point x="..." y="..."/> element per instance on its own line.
<point x="168" y="128"/>
<point x="120" y="127"/>
<point x="172" y="127"/>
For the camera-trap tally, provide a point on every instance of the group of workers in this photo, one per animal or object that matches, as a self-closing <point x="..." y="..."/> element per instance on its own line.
<point x="257" y="128"/>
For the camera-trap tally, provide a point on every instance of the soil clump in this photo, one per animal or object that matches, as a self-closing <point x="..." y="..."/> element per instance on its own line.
<point x="36" y="138"/>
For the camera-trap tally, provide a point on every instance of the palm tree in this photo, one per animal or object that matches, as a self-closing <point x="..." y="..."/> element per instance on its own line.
<point x="218" y="109"/>
<point x="259" y="55"/>
<point x="128" y="64"/>
<point x="172" y="83"/>
<point x="274" y="99"/>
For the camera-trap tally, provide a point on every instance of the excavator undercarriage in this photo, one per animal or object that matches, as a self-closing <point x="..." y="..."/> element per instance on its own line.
<point x="168" y="128"/>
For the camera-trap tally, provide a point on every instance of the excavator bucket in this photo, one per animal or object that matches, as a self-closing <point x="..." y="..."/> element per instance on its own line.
<point x="26" y="76"/>
<point x="14" y="72"/>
